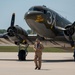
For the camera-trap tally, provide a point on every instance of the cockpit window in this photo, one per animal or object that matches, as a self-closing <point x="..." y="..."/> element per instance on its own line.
<point x="38" y="9"/>
<point x="31" y="9"/>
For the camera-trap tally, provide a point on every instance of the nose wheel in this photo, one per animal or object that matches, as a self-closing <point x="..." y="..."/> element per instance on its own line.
<point x="22" y="55"/>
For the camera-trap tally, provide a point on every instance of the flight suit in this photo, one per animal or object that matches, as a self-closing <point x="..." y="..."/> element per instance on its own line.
<point x="38" y="54"/>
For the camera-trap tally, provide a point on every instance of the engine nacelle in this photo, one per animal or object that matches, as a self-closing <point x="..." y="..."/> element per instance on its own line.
<point x="70" y="30"/>
<point x="17" y="33"/>
<point x="16" y="30"/>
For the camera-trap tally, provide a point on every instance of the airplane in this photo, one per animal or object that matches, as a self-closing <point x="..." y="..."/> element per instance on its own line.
<point x="45" y="22"/>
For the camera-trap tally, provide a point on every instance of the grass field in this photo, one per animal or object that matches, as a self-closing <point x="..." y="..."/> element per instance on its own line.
<point x="30" y="49"/>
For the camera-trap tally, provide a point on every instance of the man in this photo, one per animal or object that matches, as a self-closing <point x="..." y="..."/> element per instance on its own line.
<point x="38" y="47"/>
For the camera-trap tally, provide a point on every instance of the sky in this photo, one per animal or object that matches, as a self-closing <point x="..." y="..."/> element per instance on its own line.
<point x="65" y="8"/>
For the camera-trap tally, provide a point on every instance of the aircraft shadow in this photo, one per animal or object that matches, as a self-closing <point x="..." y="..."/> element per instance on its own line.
<point x="58" y="61"/>
<point x="44" y="61"/>
<point x="14" y="60"/>
<point x="8" y="60"/>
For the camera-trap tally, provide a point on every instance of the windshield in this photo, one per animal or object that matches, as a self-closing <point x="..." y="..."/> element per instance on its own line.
<point x="38" y="9"/>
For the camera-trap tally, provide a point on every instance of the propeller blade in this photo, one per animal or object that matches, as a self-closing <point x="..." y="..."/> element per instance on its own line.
<point x="60" y="28"/>
<point x="12" y="20"/>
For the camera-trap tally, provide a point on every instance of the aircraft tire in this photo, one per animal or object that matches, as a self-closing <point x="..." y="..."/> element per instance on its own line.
<point x="22" y="55"/>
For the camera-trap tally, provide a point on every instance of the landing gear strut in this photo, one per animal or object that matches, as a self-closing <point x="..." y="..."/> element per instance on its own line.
<point x="22" y="52"/>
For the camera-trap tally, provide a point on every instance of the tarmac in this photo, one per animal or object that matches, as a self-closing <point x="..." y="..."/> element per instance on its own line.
<point x="52" y="64"/>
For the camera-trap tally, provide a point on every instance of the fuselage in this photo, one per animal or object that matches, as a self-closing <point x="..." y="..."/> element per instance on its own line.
<point x="43" y="21"/>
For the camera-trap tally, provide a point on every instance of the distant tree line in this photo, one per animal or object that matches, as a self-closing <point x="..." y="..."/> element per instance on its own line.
<point x="29" y="31"/>
<point x="2" y="31"/>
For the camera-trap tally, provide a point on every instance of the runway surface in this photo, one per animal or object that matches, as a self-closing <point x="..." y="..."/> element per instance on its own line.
<point x="52" y="64"/>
